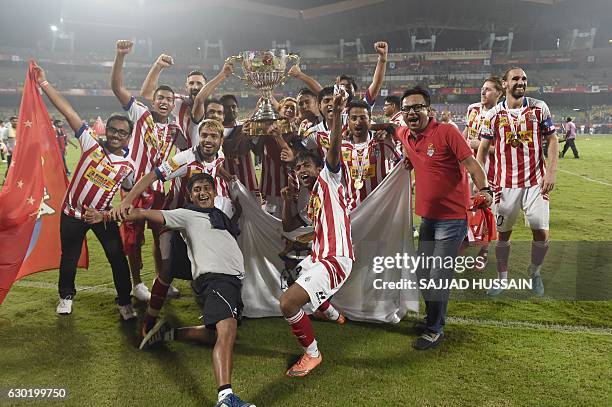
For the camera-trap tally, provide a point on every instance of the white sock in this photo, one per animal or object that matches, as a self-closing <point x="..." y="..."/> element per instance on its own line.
<point x="331" y="313"/>
<point x="224" y="393"/>
<point x="503" y="275"/>
<point x="312" y="349"/>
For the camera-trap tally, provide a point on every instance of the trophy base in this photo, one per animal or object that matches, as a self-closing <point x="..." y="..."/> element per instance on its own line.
<point x="260" y="127"/>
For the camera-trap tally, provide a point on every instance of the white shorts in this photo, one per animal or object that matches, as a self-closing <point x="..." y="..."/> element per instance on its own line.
<point x="323" y="278"/>
<point x="530" y="200"/>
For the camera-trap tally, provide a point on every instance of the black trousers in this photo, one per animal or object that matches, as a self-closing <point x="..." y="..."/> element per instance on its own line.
<point x="72" y="234"/>
<point x="570" y="143"/>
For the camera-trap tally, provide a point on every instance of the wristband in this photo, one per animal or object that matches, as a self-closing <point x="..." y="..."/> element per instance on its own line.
<point x="487" y="190"/>
<point x="45" y="83"/>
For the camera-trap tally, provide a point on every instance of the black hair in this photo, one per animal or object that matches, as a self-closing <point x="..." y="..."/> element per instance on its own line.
<point x="351" y="81"/>
<point x="223" y="99"/>
<point x="198" y="177"/>
<point x="394" y="100"/>
<point x="306" y="92"/>
<point x="326" y="91"/>
<point x="163" y="87"/>
<point x="358" y="103"/>
<point x="211" y="100"/>
<point x="13" y="117"/>
<point x="120" y="117"/>
<point x="569" y="119"/>
<point x="308" y="155"/>
<point x="55" y="122"/>
<point x="196" y="72"/>
<point x="417" y="90"/>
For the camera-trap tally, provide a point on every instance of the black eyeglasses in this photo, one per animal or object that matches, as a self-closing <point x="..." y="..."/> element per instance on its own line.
<point x="414" y="108"/>
<point x="111" y="131"/>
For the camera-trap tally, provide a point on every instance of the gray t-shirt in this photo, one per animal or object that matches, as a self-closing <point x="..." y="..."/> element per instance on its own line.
<point x="210" y="250"/>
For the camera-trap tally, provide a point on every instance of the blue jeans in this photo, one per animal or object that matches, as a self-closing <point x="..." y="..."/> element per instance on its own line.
<point x="439" y="239"/>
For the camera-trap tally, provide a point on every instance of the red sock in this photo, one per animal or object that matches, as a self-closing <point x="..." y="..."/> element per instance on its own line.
<point x="158" y="296"/>
<point x="302" y="328"/>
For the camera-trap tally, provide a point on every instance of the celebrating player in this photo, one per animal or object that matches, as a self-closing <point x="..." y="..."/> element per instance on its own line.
<point x="97" y="177"/>
<point x="154" y="136"/>
<point x="325" y="271"/>
<point x="491" y="91"/>
<point x="518" y="126"/>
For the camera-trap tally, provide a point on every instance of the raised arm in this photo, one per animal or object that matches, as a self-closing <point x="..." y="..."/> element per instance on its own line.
<point x="123" y="48"/>
<point x="197" y="111"/>
<point x="150" y="83"/>
<point x="382" y="50"/>
<point x="333" y="156"/>
<point x="60" y="103"/>
<point x="309" y="81"/>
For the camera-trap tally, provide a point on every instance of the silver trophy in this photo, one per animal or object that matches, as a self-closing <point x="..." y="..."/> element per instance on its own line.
<point x="264" y="70"/>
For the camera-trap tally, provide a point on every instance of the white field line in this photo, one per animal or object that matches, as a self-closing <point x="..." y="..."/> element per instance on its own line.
<point x="102" y="288"/>
<point x="587" y="178"/>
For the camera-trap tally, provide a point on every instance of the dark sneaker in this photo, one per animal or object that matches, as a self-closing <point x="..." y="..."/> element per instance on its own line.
<point x="428" y="340"/>
<point x="161" y="332"/>
<point x="231" y="400"/>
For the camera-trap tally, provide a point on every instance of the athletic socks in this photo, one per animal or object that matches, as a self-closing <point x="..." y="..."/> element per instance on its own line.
<point x="224" y="391"/>
<point x="538" y="252"/>
<point x="158" y="296"/>
<point x="502" y="254"/>
<point x="330" y="312"/>
<point x="301" y="327"/>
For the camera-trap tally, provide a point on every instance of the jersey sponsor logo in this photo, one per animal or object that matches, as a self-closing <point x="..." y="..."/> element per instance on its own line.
<point x="100" y="180"/>
<point x="521" y="137"/>
<point x="97" y="156"/>
<point x="369" y="171"/>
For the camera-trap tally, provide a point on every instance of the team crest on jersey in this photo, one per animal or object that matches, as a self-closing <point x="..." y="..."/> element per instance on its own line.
<point x="346" y="155"/>
<point x="324" y="140"/>
<point x="503" y="121"/>
<point x="430" y="150"/>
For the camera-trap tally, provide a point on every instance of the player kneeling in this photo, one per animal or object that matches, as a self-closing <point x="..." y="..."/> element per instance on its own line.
<point x="217" y="266"/>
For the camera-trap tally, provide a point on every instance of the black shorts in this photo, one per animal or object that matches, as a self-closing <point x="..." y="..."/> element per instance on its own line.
<point x="218" y="296"/>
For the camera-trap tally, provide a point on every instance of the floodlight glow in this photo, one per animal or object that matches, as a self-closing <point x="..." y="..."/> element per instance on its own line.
<point x="53" y="28"/>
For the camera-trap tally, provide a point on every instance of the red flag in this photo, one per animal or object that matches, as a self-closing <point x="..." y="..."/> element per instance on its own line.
<point x="32" y="195"/>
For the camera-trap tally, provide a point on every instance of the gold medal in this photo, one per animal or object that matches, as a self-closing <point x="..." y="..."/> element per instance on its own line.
<point x="358" y="183"/>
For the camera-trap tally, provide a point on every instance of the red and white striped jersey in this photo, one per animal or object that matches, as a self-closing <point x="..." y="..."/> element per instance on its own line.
<point x="97" y="176"/>
<point x="241" y="167"/>
<point x="151" y="142"/>
<point x="398" y="118"/>
<point x="274" y="172"/>
<point x="370" y="162"/>
<point x="518" y="135"/>
<point x="473" y="120"/>
<point x="181" y="167"/>
<point x="317" y="137"/>
<point x="182" y="115"/>
<point x="327" y="209"/>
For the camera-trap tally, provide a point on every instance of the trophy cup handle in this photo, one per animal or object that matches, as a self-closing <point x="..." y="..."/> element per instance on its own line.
<point x="231" y="60"/>
<point x="295" y="58"/>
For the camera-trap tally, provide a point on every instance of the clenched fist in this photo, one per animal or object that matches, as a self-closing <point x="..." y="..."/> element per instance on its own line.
<point x="381" y="49"/>
<point x="124" y="46"/>
<point x="164" y="61"/>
